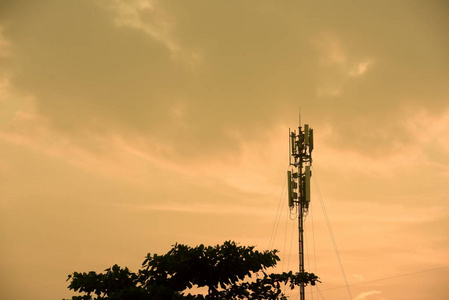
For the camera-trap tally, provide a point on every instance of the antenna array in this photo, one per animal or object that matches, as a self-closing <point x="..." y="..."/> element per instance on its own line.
<point x="298" y="178"/>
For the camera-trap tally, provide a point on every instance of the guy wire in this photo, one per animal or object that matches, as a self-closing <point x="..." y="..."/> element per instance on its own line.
<point x="329" y="227"/>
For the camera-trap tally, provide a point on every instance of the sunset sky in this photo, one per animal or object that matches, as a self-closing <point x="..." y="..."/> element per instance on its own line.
<point x="129" y="125"/>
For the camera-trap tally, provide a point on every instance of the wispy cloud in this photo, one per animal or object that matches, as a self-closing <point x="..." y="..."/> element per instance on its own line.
<point x="369" y="295"/>
<point x="5" y="44"/>
<point x="359" y="277"/>
<point x="216" y="209"/>
<point x="150" y="17"/>
<point x="361" y="68"/>
<point x="336" y="65"/>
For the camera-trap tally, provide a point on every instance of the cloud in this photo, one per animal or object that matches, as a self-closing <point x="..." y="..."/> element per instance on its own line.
<point x="362" y="143"/>
<point x="5" y="45"/>
<point x="105" y="75"/>
<point x="333" y="52"/>
<point x="336" y="65"/>
<point x="367" y="295"/>
<point x="116" y="72"/>
<point x="103" y="78"/>
<point x="144" y="15"/>
<point x="361" y="68"/>
<point x="359" y="277"/>
<point x="150" y="17"/>
<point x="216" y="209"/>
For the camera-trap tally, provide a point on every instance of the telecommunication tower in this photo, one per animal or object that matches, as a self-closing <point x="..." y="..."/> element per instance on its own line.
<point x="298" y="178"/>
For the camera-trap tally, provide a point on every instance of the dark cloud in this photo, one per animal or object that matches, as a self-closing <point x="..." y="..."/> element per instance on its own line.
<point x="82" y="68"/>
<point x="231" y="67"/>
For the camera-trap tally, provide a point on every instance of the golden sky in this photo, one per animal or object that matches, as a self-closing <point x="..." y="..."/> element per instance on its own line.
<point x="129" y="125"/>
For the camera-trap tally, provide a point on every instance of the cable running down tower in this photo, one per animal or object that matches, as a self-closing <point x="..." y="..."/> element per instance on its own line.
<point x="298" y="178"/>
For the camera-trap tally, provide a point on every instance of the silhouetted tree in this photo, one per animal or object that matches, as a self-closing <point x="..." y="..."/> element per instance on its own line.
<point x="228" y="271"/>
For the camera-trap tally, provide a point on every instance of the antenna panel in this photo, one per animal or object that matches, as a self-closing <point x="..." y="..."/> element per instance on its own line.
<point x="293" y="137"/>
<point x="307" y="184"/>
<point x="311" y="139"/>
<point x="289" y="186"/>
<point x="306" y="134"/>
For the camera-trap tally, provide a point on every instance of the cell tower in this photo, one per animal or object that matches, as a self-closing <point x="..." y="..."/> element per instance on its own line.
<point x="298" y="178"/>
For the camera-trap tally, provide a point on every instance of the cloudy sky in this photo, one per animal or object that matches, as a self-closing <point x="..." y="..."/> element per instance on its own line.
<point x="127" y="126"/>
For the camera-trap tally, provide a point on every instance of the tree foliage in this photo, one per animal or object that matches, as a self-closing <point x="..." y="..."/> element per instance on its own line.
<point x="228" y="271"/>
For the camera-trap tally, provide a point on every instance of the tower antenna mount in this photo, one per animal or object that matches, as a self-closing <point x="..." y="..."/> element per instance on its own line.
<point x="301" y="147"/>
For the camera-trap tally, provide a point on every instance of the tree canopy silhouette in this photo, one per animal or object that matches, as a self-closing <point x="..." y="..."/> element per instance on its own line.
<point x="228" y="271"/>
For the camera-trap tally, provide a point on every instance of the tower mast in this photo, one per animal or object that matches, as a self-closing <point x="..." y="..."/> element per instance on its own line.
<point x="301" y="146"/>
